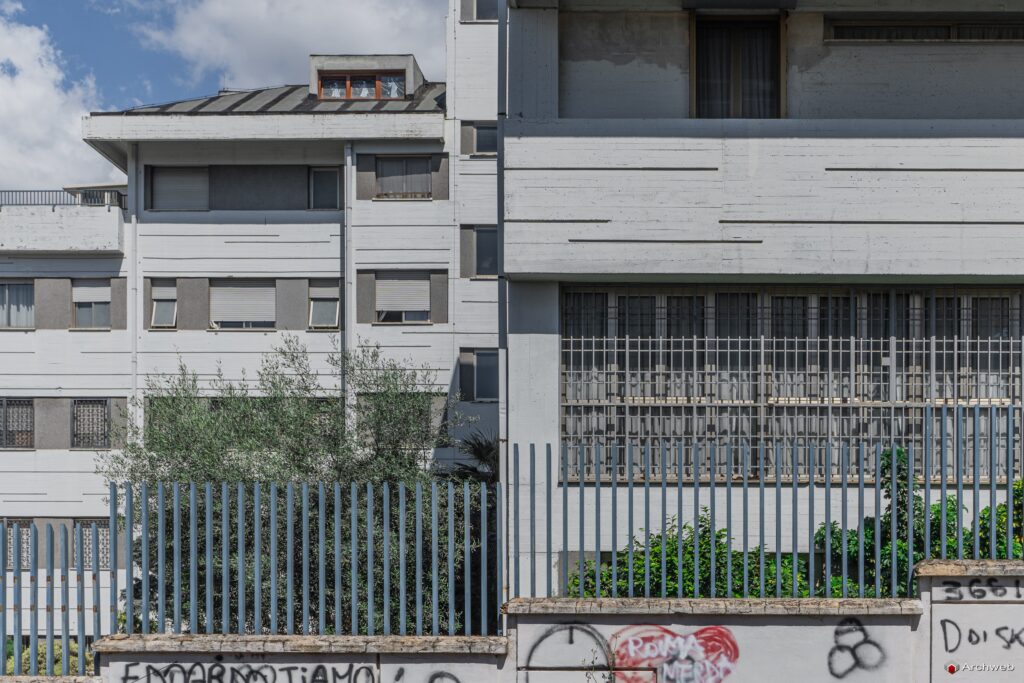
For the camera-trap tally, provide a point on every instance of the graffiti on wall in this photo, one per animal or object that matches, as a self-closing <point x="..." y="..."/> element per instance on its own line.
<point x="216" y="672"/>
<point x="707" y="655"/>
<point x="853" y="650"/>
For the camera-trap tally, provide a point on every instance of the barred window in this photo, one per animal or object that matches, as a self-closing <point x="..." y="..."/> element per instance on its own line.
<point x="102" y="538"/>
<point x="24" y="540"/>
<point x="90" y="426"/>
<point x="17" y="423"/>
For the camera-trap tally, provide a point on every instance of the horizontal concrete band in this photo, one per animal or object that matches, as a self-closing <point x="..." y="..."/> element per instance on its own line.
<point x="970" y="568"/>
<point x="228" y="644"/>
<point x="715" y="606"/>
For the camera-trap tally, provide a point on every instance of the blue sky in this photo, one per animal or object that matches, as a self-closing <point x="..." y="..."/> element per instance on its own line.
<point x="103" y="39"/>
<point x="60" y="59"/>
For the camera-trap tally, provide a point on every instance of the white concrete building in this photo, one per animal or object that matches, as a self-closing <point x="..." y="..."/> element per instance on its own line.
<point x="359" y="206"/>
<point x="763" y="221"/>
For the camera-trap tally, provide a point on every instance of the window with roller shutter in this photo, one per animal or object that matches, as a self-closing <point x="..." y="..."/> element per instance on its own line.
<point x="402" y="297"/>
<point x="91" y="301"/>
<point x="324" y="300"/>
<point x="243" y="304"/>
<point x="165" y="303"/>
<point x="178" y="188"/>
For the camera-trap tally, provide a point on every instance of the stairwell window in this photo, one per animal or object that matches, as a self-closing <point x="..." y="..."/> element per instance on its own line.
<point x="868" y="31"/>
<point x="738" y="69"/>
<point x="403" y="177"/>
<point x="243" y="304"/>
<point x="17" y="305"/>
<point x="165" y="304"/>
<point x="17" y="423"/>
<point x="324" y="188"/>
<point x="91" y="299"/>
<point x="90" y="423"/>
<point x="403" y="297"/>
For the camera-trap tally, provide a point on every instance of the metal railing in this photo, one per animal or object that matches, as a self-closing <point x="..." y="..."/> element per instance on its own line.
<point x="726" y="522"/>
<point x="96" y="197"/>
<point x="391" y="559"/>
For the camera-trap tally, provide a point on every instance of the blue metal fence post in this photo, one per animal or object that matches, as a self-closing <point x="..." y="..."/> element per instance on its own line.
<point x="910" y="520"/>
<point x="97" y="621"/>
<point x="597" y="521"/>
<point x="484" y="561"/>
<point x="129" y="552"/>
<point x="778" y="520"/>
<point x="161" y="557"/>
<point x="828" y="520"/>
<point x="305" y="558"/>
<point x="795" y="529"/>
<point x="289" y="561"/>
<point x="419" y="559"/>
<point x="976" y="460"/>
<point x="760" y="531"/>
<point x="647" y="521"/>
<point x="49" y="599"/>
<point x="515" y="521"/>
<point x="144" y="552"/>
<point x="208" y="528"/>
<point x="354" y="557"/>
<point x="712" y="531"/>
<point x="630" y="538"/>
<point x="450" y="573"/>
<point x="467" y="563"/>
<point x="3" y="596"/>
<point x="339" y="597"/>
<point x="696" y="523"/>
<point x="369" y="561"/>
<point x="878" y="520"/>
<point x="664" y="520"/>
<point x="113" y="527"/>
<point x="193" y="556"/>
<point x="1010" y="466"/>
<point x="33" y="601"/>
<point x="811" y="475"/>
<point x="176" y="552"/>
<point x="533" y="521"/>
<point x="225" y="562"/>
<point x="564" y="466"/>
<point x="321" y="558"/>
<point x="257" y="559"/>
<point x="403" y="597"/>
<point x="434" y="569"/>
<point x="549" y="547"/>
<point x="65" y="604"/>
<point x="80" y="576"/>
<point x="241" y="558"/>
<point x="17" y="630"/>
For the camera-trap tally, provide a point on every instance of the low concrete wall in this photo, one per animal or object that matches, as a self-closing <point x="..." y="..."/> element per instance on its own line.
<point x="970" y="617"/>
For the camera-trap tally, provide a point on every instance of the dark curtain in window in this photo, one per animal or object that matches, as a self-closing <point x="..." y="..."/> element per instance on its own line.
<point x="714" y="71"/>
<point x="738" y="69"/>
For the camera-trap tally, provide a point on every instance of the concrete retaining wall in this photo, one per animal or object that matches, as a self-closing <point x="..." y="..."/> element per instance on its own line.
<point x="970" y="616"/>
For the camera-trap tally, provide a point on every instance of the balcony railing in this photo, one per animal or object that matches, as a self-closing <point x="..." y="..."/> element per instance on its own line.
<point x="97" y="197"/>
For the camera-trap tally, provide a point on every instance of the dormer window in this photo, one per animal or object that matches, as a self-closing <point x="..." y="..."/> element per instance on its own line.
<point x="362" y="86"/>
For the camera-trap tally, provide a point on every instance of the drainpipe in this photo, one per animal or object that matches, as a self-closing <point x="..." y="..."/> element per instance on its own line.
<point x="135" y="310"/>
<point x="503" y="283"/>
<point x="347" y="270"/>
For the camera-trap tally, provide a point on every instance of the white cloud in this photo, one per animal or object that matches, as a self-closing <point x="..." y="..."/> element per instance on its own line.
<point x="253" y="43"/>
<point x="10" y="7"/>
<point x="41" y="113"/>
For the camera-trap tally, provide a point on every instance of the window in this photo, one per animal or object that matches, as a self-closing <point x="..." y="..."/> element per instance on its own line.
<point x="324" y="188"/>
<point x="178" y="188"/>
<point x="17" y="423"/>
<point x="403" y="297"/>
<point x="486" y="252"/>
<point x="22" y="541"/>
<point x="384" y="86"/>
<point x="403" y="177"/>
<point x="736" y="315"/>
<point x="486" y="388"/>
<point x="243" y="305"/>
<point x="90" y="423"/>
<point x="17" y="304"/>
<point x="486" y="10"/>
<point x="738" y="69"/>
<point x="924" y="31"/>
<point x="91" y="299"/>
<point x="165" y="303"/>
<point x="789" y="317"/>
<point x="478" y="374"/>
<point x="324" y="302"/>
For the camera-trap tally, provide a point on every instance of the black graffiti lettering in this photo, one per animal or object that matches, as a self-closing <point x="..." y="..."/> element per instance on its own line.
<point x="854" y="649"/>
<point x="1009" y="636"/>
<point x="169" y="673"/>
<point x="288" y="671"/>
<point x="319" y="674"/>
<point x="443" y="677"/>
<point x="363" y="674"/>
<point x="946" y="624"/>
<point x="953" y="590"/>
<point x="215" y="674"/>
<point x="127" y="676"/>
<point x="973" y="637"/>
<point x="997" y="588"/>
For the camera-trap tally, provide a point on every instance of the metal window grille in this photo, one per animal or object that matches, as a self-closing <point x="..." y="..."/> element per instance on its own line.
<point x="90" y="426"/>
<point x="102" y="538"/>
<point x="17" y="423"/>
<point x="649" y="366"/>
<point x="24" y="538"/>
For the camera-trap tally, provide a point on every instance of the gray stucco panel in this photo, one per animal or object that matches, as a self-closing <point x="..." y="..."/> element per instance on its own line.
<point x="118" y="303"/>
<point x="292" y="304"/>
<point x="193" y="303"/>
<point x="53" y="303"/>
<point x="439" y="297"/>
<point x="366" y="176"/>
<point x="366" y="297"/>
<point x="53" y="423"/>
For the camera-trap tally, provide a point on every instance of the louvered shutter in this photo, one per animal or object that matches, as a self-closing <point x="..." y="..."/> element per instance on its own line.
<point x="324" y="289"/>
<point x="403" y="292"/>
<point x="164" y="290"/>
<point x="90" y="291"/>
<point x="180" y="188"/>
<point x="251" y="301"/>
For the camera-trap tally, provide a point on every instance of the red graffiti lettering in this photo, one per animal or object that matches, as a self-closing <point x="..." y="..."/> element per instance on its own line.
<point x="707" y="655"/>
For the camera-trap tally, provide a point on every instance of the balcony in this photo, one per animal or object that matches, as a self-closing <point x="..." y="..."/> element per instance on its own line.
<point x="71" y="221"/>
<point x="849" y="200"/>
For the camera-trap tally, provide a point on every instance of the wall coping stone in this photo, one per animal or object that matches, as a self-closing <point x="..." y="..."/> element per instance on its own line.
<point x="969" y="568"/>
<point x="277" y="644"/>
<point x="716" y="606"/>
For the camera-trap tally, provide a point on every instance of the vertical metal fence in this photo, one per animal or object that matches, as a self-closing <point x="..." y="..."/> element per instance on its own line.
<point x="710" y="519"/>
<point x="295" y="558"/>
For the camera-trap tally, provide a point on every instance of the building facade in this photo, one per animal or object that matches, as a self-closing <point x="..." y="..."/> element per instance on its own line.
<point x="355" y="210"/>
